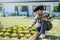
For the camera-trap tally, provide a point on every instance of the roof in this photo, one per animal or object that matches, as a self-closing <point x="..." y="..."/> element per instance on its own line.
<point x="29" y="0"/>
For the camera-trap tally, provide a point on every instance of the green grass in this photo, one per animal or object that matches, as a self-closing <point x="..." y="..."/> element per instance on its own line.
<point x="53" y="34"/>
<point x="11" y="21"/>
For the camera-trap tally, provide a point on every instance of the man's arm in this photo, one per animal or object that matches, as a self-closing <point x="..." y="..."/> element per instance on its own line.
<point x="33" y="23"/>
<point x="47" y="17"/>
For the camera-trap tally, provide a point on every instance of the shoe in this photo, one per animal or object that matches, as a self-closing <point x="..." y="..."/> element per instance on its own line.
<point x="42" y="36"/>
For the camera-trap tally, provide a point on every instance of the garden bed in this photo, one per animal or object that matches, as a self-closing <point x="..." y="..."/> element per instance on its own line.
<point x="17" y="32"/>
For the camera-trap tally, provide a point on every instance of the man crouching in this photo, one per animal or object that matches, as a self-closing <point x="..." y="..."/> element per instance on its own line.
<point x="44" y="22"/>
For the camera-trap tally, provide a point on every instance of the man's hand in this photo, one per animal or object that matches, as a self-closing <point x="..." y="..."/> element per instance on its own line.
<point x="25" y="29"/>
<point x="45" y="19"/>
<point x="28" y="27"/>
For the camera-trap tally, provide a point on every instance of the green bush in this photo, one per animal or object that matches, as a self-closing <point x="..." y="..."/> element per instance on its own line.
<point x="57" y="8"/>
<point x="3" y="15"/>
<point x="13" y="14"/>
<point x="53" y="15"/>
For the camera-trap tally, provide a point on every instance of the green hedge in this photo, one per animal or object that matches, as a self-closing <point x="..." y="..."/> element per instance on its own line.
<point x="57" y="8"/>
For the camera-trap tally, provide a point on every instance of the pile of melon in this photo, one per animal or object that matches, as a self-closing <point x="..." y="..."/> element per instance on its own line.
<point x="17" y="31"/>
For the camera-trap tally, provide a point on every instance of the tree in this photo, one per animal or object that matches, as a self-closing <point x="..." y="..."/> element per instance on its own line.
<point x="55" y="8"/>
<point x="59" y="7"/>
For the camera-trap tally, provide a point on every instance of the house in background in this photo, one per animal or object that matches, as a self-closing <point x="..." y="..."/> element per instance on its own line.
<point x="25" y="7"/>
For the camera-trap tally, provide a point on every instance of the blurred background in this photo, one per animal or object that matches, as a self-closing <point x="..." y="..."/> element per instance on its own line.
<point x="25" y="7"/>
<point x="20" y="12"/>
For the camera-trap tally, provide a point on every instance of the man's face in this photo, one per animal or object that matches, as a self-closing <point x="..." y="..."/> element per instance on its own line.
<point x="39" y="12"/>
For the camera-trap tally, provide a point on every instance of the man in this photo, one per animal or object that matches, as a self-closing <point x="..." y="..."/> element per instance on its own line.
<point x="43" y="20"/>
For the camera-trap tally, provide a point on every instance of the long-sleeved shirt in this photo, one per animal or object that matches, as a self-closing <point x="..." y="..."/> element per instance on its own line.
<point x="38" y="18"/>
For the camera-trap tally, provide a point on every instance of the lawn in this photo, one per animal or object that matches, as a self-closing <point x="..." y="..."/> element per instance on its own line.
<point x="11" y="21"/>
<point x="53" y="34"/>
